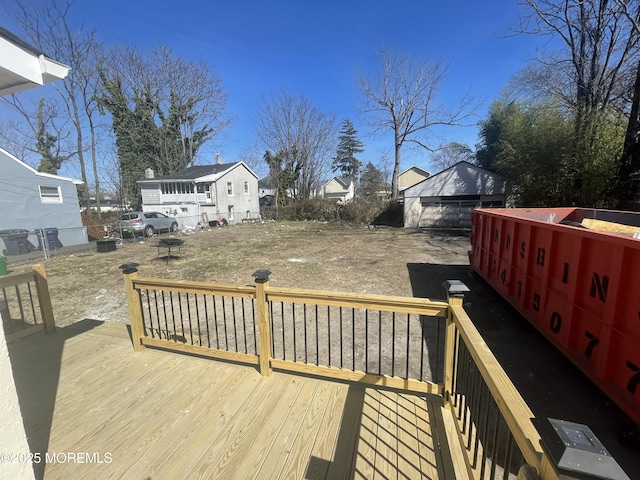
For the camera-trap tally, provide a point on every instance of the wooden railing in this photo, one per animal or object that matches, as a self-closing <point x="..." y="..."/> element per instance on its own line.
<point x="493" y="422"/>
<point x="25" y="304"/>
<point x="411" y="344"/>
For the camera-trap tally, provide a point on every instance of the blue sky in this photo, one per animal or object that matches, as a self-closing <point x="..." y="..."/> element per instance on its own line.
<point x="314" y="49"/>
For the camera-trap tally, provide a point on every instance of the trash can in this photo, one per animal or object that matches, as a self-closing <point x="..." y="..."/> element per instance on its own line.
<point x="3" y="266"/>
<point x="51" y="238"/>
<point x="15" y="241"/>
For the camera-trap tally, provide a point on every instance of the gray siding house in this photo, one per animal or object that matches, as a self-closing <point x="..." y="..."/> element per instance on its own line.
<point x="31" y="200"/>
<point x="447" y="199"/>
<point x="204" y="193"/>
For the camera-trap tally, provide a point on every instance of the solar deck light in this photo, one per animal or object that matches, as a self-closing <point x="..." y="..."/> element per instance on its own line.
<point x="576" y="452"/>
<point x="261" y="276"/>
<point x="455" y="287"/>
<point x="130" y="267"/>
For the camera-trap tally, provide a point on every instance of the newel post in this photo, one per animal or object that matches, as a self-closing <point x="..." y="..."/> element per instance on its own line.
<point x="264" y="330"/>
<point x="455" y="295"/>
<point x="133" y="300"/>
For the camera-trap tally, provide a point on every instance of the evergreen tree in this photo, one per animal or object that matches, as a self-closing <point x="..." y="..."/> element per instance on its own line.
<point x="371" y="181"/>
<point x="348" y="147"/>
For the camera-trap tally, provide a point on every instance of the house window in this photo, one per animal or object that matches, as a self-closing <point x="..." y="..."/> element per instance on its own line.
<point x="230" y="189"/>
<point x="50" y="194"/>
<point x="246" y="188"/>
<point x="230" y="211"/>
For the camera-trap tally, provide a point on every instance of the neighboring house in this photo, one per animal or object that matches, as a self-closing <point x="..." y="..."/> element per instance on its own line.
<point x="21" y="67"/>
<point x="341" y="189"/>
<point x="447" y="199"/>
<point x="31" y="200"/>
<point x="106" y="205"/>
<point x="205" y="193"/>
<point x="411" y="176"/>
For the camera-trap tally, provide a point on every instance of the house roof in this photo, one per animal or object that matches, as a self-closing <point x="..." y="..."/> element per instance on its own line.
<point x="343" y="181"/>
<point x="417" y="169"/>
<point x="463" y="178"/>
<point x="23" y="66"/>
<point x="199" y="173"/>
<point x="266" y="182"/>
<point x="75" y="181"/>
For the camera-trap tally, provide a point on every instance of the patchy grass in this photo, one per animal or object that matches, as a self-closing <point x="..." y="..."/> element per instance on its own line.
<point x="317" y="255"/>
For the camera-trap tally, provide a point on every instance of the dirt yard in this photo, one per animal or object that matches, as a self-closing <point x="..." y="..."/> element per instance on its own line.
<point x="315" y="255"/>
<point x="350" y="258"/>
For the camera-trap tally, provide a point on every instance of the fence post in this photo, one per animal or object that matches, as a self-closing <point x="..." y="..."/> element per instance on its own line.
<point x="264" y="329"/>
<point x="455" y="294"/>
<point x="42" y="286"/>
<point x="133" y="300"/>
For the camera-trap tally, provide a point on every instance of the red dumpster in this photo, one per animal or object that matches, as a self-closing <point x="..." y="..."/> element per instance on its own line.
<point x="574" y="273"/>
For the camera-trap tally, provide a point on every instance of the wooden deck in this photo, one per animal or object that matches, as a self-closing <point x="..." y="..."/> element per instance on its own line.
<point x="104" y="411"/>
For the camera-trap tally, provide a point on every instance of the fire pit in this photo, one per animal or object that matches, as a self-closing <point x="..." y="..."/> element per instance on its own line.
<point x="167" y="244"/>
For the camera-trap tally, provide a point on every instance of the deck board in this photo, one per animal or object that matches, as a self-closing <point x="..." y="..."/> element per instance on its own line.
<point x="165" y="415"/>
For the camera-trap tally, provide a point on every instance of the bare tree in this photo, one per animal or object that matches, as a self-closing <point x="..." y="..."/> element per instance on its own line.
<point x="598" y="47"/>
<point x="403" y="96"/>
<point x="47" y="26"/>
<point x="34" y="126"/>
<point x="292" y="125"/>
<point x="162" y="108"/>
<point x="449" y="154"/>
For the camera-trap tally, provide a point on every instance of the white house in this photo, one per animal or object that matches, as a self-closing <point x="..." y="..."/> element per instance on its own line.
<point x="341" y="189"/>
<point x="447" y="199"/>
<point x="21" y="67"/>
<point x="205" y="193"/>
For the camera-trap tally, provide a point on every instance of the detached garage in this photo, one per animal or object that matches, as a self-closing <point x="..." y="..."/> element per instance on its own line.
<point x="447" y="199"/>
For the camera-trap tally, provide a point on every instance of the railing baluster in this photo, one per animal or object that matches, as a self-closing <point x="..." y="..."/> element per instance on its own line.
<point x="224" y="323"/>
<point x="408" y="344"/>
<point x="215" y="321"/>
<point x="206" y="320"/>
<point x="306" y="345"/>
<point x="293" y="314"/>
<point x="244" y="326"/>
<point x="198" y="320"/>
<point x="366" y="340"/>
<point x="340" y="313"/>
<point x="317" y="338"/>
<point x="189" y="317"/>
<point x="393" y="344"/>
<point x="495" y="446"/>
<point x="353" y="338"/>
<point x="508" y="457"/>
<point x="329" y="333"/>
<point x="235" y="326"/>
<point x="253" y="321"/>
<point x="181" y="316"/>
<point x="284" y="343"/>
<point x="379" y="342"/>
<point x="273" y="329"/>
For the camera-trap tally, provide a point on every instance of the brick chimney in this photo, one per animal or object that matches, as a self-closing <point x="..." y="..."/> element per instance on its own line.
<point x="218" y="159"/>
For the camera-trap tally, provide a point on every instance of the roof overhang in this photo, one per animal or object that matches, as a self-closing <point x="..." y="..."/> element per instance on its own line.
<point x="23" y="67"/>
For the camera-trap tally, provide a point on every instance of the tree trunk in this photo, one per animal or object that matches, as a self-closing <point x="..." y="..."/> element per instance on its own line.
<point x="628" y="187"/>
<point x="396" y="171"/>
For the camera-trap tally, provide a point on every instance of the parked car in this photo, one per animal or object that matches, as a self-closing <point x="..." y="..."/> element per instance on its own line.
<point x="147" y="223"/>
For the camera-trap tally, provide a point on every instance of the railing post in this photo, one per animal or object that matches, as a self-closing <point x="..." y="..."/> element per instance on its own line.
<point x="133" y="300"/>
<point x="264" y="330"/>
<point x="455" y="295"/>
<point x="44" y="298"/>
